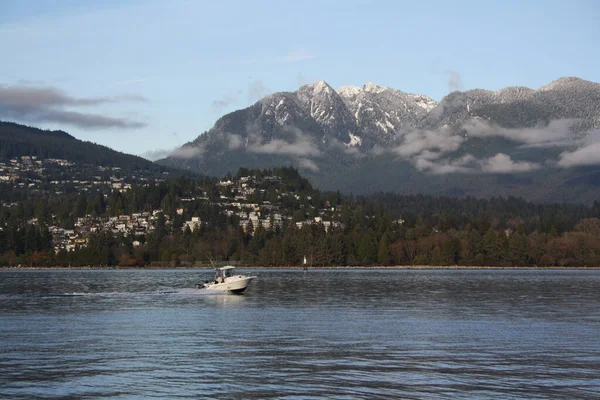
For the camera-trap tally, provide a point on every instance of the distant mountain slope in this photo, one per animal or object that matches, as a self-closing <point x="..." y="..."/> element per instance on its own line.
<point x="20" y="140"/>
<point x="540" y="144"/>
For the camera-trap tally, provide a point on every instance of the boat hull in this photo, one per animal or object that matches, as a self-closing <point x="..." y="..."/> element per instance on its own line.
<point x="234" y="284"/>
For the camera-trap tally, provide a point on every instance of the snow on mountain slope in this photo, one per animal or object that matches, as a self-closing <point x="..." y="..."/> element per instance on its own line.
<point x="327" y="108"/>
<point x="383" y="113"/>
<point x="378" y="137"/>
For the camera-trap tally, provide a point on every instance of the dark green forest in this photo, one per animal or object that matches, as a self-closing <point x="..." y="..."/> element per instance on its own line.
<point x="19" y="140"/>
<point x="378" y="230"/>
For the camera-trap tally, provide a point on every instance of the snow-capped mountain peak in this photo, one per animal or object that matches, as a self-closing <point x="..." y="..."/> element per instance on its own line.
<point x="317" y="88"/>
<point x="382" y="112"/>
<point x="349" y="91"/>
<point x="374" y="88"/>
<point x="357" y="136"/>
<point x="327" y="108"/>
<point x="423" y="101"/>
<point x="563" y="83"/>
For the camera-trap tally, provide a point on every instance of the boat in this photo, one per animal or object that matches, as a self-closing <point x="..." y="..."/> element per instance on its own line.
<point x="226" y="280"/>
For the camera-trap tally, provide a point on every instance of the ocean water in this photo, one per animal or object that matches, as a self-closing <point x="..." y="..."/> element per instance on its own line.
<point x="345" y="334"/>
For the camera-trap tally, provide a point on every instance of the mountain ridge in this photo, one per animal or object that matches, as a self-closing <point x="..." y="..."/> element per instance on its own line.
<point x="18" y="140"/>
<point x="480" y="133"/>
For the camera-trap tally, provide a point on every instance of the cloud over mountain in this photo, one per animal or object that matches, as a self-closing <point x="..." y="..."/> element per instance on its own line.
<point x="477" y="141"/>
<point x="587" y="154"/>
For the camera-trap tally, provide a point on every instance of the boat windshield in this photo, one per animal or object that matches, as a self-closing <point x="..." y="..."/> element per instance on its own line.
<point x="228" y="272"/>
<point x="225" y="273"/>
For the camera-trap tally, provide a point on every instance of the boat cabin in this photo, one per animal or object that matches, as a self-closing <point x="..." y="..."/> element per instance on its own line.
<point x="224" y="272"/>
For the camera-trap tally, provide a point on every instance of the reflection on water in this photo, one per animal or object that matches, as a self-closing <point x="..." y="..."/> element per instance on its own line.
<point x="295" y="334"/>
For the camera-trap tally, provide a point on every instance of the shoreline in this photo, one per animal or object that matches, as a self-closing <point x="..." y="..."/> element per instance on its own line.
<point x="301" y="268"/>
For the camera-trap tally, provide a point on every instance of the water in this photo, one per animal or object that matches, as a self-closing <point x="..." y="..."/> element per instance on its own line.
<point x="298" y="335"/>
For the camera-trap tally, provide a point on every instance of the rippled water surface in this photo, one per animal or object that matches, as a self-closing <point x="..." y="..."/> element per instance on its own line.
<point x="294" y="334"/>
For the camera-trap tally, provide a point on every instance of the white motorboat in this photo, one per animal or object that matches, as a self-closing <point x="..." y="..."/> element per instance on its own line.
<point x="226" y="280"/>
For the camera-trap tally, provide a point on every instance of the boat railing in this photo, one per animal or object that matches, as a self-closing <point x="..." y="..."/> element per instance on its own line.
<point x="207" y="276"/>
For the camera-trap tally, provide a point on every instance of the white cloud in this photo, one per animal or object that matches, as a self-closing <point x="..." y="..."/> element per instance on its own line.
<point x="257" y="90"/>
<point x="587" y="155"/>
<point x="188" y="152"/>
<point x="131" y="81"/>
<point x="337" y="145"/>
<point x="308" y="164"/>
<point x="234" y="141"/>
<point x="502" y="163"/>
<point x="440" y="168"/>
<point x="468" y="164"/>
<point x="154" y="155"/>
<point x="228" y="99"/>
<point x="465" y="164"/>
<point x="431" y="143"/>
<point x="177" y="152"/>
<point x="303" y="146"/>
<point x="588" y="152"/>
<point x="378" y="150"/>
<point x="556" y="133"/>
<point x="454" y="80"/>
<point x="296" y="55"/>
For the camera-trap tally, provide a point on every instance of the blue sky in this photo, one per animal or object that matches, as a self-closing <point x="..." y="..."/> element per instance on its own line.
<point x="143" y="76"/>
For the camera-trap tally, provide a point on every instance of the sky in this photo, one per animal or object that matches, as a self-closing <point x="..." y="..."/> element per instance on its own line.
<point x="143" y="77"/>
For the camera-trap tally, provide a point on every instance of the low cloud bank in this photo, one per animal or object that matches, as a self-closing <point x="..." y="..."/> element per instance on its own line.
<point x="431" y="151"/>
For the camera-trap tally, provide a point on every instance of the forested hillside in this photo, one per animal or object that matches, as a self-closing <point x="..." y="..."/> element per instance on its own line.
<point x="276" y="218"/>
<point x="19" y="140"/>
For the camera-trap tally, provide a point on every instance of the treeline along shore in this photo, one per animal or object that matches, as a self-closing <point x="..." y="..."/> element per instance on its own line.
<point x="275" y="218"/>
<point x="301" y="268"/>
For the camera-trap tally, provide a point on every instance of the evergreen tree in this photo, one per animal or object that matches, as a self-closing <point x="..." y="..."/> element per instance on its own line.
<point x="367" y="250"/>
<point x="383" y="255"/>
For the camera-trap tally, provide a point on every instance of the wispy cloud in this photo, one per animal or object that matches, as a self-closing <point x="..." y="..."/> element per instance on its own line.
<point x="154" y="155"/>
<point x="234" y="141"/>
<point x="296" y="144"/>
<point x="445" y="167"/>
<point x="83" y="120"/>
<point x="587" y="154"/>
<point x="296" y="55"/>
<point x="300" y="145"/>
<point x="454" y="80"/>
<point x="227" y="100"/>
<point x="25" y="97"/>
<point x="556" y="133"/>
<point x="431" y="143"/>
<point x="432" y="150"/>
<point x="257" y="90"/>
<point x="30" y="82"/>
<point x="49" y="104"/>
<point x="301" y="80"/>
<point x="131" y="81"/>
<point x="308" y="164"/>
<point x="499" y="164"/>
<point x="502" y="164"/>
<point x="189" y="151"/>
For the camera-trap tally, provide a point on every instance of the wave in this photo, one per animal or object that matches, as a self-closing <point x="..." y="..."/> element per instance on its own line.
<point x="169" y="292"/>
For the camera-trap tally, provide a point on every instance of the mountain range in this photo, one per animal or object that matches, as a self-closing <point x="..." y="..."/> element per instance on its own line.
<point x="543" y="145"/>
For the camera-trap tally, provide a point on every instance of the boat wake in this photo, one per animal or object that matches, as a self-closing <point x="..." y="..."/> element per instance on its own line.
<point x="168" y="292"/>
